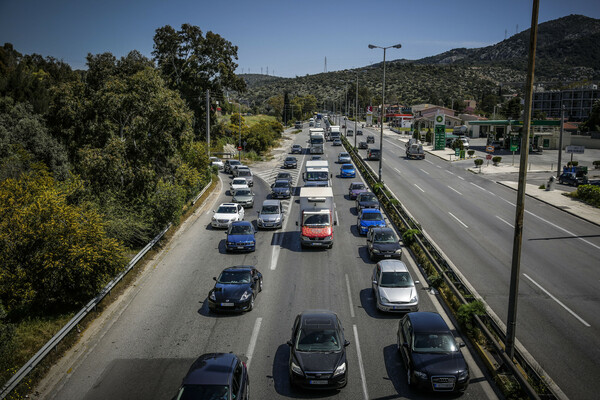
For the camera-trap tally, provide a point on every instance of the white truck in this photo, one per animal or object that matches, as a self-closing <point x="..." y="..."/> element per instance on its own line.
<point x="317" y="173"/>
<point x="317" y="217"/>
<point x="316" y="140"/>
<point x="414" y="149"/>
<point x="334" y="132"/>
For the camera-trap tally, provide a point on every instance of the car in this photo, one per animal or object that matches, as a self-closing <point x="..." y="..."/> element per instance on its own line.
<point x="370" y="139"/>
<point x="318" y="351"/>
<point x="344" y="157"/>
<point x="244" y="197"/>
<point x="347" y="171"/>
<point x="226" y="214"/>
<point x="373" y="154"/>
<point x="216" y="161"/>
<point x="296" y="148"/>
<point x="235" y="289"/>
<point x="227" y="166"/>
<point x="240" y="237"/>
<point x="239" y="167"/>
<point x="359" y="133"/>
<point x="363" y="145"/>
<point x="290" y="162"/>
<point x="246" y="174"/>
<point x="336" y="142"/>
<point x="215" y="376"/>
<point x="366" y="200"/>
<point x="465" y="142"/>
<point x="270" y="215"/>
<point x="393" y="287"/>
<point x="281" y="189"/>
<point x="383" y="243"/>
<point x="349" y="132"/>
<point x="355" y="188"/>
<point x="367" y="218"/>
<point x="315" y="158"/>
<point x="571" y="178"/>
<point x="285" y="175"/>
<point x="238" y="183"/>
<point x="430" y="353"/>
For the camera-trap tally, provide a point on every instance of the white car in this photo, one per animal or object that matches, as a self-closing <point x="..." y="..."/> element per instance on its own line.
<point x="216" y="161"/>
<point x="238" y="183"/>
<point x="226" y="214"/>
<point x="394" y="288"/>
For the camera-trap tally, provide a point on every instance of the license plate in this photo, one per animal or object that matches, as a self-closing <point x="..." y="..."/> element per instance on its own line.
<point x="387" y="255"/>
<point x="227" y="304"/>
<point x="318" y="382"/>
<point x="317" y="244"/>
<point x="240" y="247"/>
<point x="268" y="224"/>
<point x="443" y="385"/>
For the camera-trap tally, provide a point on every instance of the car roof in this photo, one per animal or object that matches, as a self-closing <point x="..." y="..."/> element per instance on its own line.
<point x="240" y="223"/>
<point x="211" y="369"/>
<point x="356" y="183"/>
<point x="366" y="193"/>
<point x="271" y="202"/>
<point x="424" y="321"/>
<point x="370" y="211"/>
<point x="240" y="268"/>
<point x="392" y="266"/>
<point x="318" y="319"/>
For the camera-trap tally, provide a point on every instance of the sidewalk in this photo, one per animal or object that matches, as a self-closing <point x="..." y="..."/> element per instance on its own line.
<point x="555" y="198"/>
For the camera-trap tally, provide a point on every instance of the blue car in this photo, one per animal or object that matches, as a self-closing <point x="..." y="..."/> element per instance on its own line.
<point x="240" y="237"/>
<point x="369" y="217"/>
<point x="347" y="171"/>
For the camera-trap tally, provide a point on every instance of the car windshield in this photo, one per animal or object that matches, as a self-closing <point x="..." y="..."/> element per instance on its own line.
<point x="296" y="146"/>
<point x="283" y="176"/>
<point x="244" y="172"/>
<point x="344" y="155"/>
<point x="316" y="219"/>
<point x="318" y="340"/>
<point x="239" y="181"/>
<point x="292" y="159"/>
<point x="235" y="162"/>
<point x="243" y="192"/>
<point x="385" y="237"/>
<point x="317" y="176"/>
<point x="316" y="140"/>
<point x="234" y="277"/>
<point x="283" y="184"/>
<point x="347" y="167"/>
<point x="209" y="392"/>
<point x="356" y="186"/>
<point x="396" y="279"/>
<point x="368" y="197"/>
<point x="434" y="343"/>
<point x="270" y="210"/>
<point x="371" y="217"/>
<point x="373" y="151"/>
<point x="240" y="230"/>
<point x="226" y="210"/>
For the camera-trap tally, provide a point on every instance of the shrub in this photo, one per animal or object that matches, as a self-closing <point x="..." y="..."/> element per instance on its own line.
<point x="467" y="311"/>
<point x="572" y="163"/>
<point x="458" y="144"/>
<point x="167" y="203"/>
<point x="470" y="153"/>
<point x="478" y="162"/>
<point x="496" y="159"/>
<point x="408" y="237"/>
<point x="589" y="194"/>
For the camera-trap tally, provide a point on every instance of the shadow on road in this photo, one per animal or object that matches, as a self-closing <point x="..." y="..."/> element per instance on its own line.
<point x="368" y="303"/>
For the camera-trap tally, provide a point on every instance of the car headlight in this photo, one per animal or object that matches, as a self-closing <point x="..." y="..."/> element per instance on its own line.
<point x="277" y="219"/>
<point x="328" y="238"/>
<point x="340" y="370"/>
<point x="304" y="238"/>
<point x="384" y="299"/>
<point x="230" y="243"/>
<point x="245" y="296"/>
<point x="420" y="374"/>
<point x="399" y="251"/>
<point x="296" y="369"/>
<point x="376" y="251"/>
<point x="214" y="219"/>
<point x="463" y="376"/>
<point x="414" y="298"/>
<point x="212" y="296"/>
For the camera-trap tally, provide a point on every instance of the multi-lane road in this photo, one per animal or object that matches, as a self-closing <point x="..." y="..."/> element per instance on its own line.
<point x="144" y="344"/>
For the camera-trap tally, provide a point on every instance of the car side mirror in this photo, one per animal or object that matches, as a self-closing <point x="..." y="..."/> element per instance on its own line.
<point x="417" y="282"/>
<point x="346" y="343"/>
<point x="214" y="278"/>
<point x="335" y="222"/>
<point x="461" y="344"/>
<point x="405" y="345"/>
<point x="289" y="343"/>
<point x="296" y="223"/>
<point x="374" y="282"/>
<point x="331" y="175"/>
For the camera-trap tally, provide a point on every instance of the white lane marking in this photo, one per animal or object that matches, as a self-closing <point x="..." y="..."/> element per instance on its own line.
<point x="506" y="222"/>
<point x="478" y="187"/>
<point x="336" y="216"/>
<point x="460" y="177"/>
<point x="253" y="340"/>
<point x="419" y="188"/>
<point x="454" y="216"/>
<point x="383" y="158"/>
<point x="563" y="229"/>
<point x="429" y="162"/>
<point x="398" y="171"/>
<point x="451" y="173"/>
<point x="451" y="188"/>
<point x="558" y="301"/>
<point x="509" y="202"/>
<point x="424" y="171"/>
<point x="393" y="144"/>
<point x="438" y="166"/>
<point x="350" y="296"/>
<point x="360" y="364"/>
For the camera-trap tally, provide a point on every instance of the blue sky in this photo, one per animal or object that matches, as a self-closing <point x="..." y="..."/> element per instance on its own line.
<point x="290" y="37"/>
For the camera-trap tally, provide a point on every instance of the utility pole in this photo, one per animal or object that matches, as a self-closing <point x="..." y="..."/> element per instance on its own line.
<point x="511" y="323"/>
<point x="356" y="113"/>
<point x="240" y="137"/>
<point x="208" y="120"/>
<point x="562" y="127"/>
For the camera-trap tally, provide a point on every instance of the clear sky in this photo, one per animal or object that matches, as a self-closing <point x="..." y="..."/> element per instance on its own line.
<point x="289" y="37"/>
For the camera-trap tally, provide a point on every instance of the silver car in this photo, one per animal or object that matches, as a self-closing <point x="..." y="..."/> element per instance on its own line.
<point x="394" y="288"/>
<point x="243" y="197"/>
<point x="344" y="158"/>
<point x="244" y="173"/>
<point x="270" y="215"/>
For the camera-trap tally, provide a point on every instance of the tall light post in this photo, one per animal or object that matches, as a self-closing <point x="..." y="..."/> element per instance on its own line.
<point x="240" y="136"/>
<point x="371" y="46"/>
<point x="356" y="112"/>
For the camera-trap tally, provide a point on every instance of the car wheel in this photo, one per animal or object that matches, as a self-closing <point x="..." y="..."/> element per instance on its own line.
<point x="251" y="304"/>
<point x="409" y="377"/>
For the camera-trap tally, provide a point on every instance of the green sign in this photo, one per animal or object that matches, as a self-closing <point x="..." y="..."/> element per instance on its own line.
<point x="514" y="147"/>
<point x="457" y="152"/>
<point x="440" y="137"/>
<point x="462" y="154"/>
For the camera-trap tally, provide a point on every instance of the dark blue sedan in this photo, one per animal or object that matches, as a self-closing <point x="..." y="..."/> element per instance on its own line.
<point x="369" y="217"/>
<point x="347" y="171"/>
<point x="240" y="237"/>
<point x="235" y="289"/>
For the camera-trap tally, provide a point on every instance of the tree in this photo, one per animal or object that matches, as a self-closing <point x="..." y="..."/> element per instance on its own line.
<point x="192" y="63"/>
<point x="513" y="108"/>
<point x="592" y="124"/>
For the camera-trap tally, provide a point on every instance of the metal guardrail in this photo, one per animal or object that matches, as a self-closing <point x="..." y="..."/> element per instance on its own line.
<point x="65" y="330"/>
<point x="452" y="280"/>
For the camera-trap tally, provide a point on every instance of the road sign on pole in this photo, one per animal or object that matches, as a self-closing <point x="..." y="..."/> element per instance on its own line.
<point x="574" y="149"/>
<point x="440" y="132"/>
<point x="240" y="148"/>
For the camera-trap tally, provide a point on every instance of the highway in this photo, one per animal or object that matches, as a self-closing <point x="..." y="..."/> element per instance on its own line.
<point x="472" y="220"/>
<point x="143" y="345"/>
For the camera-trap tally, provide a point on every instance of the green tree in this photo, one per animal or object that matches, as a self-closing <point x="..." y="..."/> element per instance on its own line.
<point x="512" y="109"/>
<point x="593" y="122"/>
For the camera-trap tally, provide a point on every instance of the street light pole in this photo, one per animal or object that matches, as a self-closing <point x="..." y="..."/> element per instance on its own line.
<point x="397" y="46"/>
<point x="562" y="126"/>
<point x="356" y="113"/>
<point x="240" y="136"/>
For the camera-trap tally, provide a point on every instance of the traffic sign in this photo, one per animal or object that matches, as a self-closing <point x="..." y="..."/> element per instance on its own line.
<point x="457" y="151"/>
<point x="514" y="147"/>
<point x="488" y="157"/>
<point x="489" y="149"/>
<point x="240" y="148"/>
<point x="575" y="149"/>
<point x="440" y="137"/>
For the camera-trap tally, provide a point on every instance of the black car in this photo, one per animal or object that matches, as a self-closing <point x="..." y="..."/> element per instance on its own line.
<point x="574" y="179"/>
<point x="318" y="351"/>
<point x="370" y="139"/>
<point x="366" y="200"/>
<point x="220" y="376"/>
<point x="290" y="162"/>
<point x="383" y="243"/>
<point x="285" y="175"/>
<point x="363" y="145"/>
<point x="281" y="189"/>
<point x="373" y="154"/>
<point x="432" y="357"/>
<point x="235" y="289"/>
<point x="296" y="149"/>
<point x="359" y="133"/>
